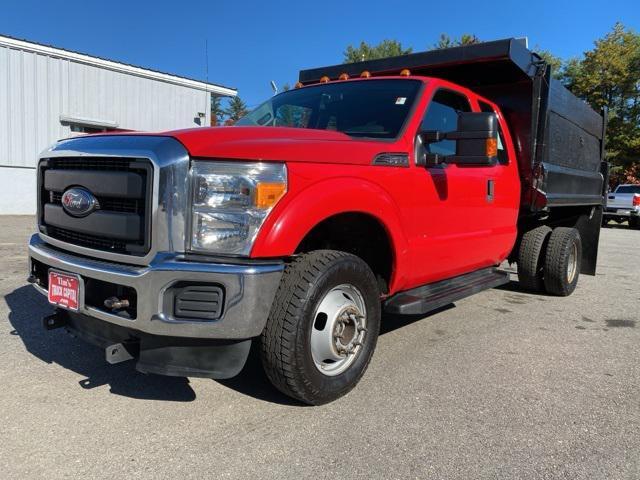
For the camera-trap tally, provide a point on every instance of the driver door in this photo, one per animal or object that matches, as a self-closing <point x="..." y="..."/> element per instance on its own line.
<point x="453" y="206"/>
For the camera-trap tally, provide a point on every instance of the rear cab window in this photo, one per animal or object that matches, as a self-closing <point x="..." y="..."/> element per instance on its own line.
<point x="628" y="189"/>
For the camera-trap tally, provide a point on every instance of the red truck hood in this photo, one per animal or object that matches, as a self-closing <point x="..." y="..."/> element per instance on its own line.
<point x="279" y="144"/>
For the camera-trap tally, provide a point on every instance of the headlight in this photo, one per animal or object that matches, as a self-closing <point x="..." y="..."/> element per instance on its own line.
<point x="231" y="201"/>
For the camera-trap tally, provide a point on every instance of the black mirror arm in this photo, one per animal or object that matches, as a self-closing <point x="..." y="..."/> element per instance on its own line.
<point x="429" y="136"/>
<point x="471" y="135"/>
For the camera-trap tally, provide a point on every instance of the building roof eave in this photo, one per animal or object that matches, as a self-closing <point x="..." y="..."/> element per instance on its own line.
<point x="116" y="66"/>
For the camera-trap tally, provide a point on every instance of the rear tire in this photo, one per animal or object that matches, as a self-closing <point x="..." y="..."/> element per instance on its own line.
<point x="531" y="258"/>
<point x="313" y="356"/>
<point x="563" y="261"/>
<point x="634" y="223"/>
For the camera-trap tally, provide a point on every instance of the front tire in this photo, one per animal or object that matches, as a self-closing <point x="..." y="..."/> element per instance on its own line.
<point x="563" y="261"/>
<point x="323" y="326"/>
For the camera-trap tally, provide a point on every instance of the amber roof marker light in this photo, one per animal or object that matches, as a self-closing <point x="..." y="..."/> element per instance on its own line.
<point x="324" y="79"/>
<point x="343" y="76"/>
<point x="298" y="85"/>
<point x="365" y="74"/>
<point x="405" y="72"/>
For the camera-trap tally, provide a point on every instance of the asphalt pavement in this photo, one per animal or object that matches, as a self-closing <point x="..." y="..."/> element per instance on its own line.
<point x="502" y="385"/>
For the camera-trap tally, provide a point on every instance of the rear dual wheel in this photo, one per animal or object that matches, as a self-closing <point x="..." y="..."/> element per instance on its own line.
<point x="563" y="261"/>
<point x="531" y="254"/>
<point x="323" y="326"/>
<point x="550" y="260"/>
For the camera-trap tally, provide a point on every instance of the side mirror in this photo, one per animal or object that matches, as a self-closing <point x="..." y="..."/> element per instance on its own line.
<point x="476" y="140"/>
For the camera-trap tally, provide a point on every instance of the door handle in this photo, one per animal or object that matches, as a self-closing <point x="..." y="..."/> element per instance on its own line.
<point x="490" y="190"/>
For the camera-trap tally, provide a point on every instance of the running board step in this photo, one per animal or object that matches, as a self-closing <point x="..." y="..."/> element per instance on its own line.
<point x="427" y="298"/>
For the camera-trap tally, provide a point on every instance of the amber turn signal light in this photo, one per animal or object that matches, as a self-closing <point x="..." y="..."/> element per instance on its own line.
<point x="492" y="147"/>
<point x="268" y="194"/>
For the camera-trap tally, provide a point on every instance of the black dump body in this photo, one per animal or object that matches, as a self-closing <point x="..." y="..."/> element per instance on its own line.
<point x="558" y="137"/>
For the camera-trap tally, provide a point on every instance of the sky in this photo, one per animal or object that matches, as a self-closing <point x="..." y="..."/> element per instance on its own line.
<point x="250" y="43"/>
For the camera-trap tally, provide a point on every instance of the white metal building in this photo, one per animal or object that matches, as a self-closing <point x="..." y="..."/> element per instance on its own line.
<point x="48" y="93"/>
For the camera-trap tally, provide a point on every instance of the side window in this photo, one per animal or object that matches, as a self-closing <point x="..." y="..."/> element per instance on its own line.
<point x="503" y="157"/>
<point x="442" y="114"/>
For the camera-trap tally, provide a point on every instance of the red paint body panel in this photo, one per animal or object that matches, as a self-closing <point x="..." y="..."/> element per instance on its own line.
<point x="439" y="220"/>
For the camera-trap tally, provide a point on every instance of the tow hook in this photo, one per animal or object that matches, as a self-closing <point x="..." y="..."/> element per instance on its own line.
<point x="56" y="320"/>
<point x="114" y="303"/>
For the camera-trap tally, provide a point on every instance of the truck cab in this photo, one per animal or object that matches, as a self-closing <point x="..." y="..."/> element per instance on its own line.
<point x="369" y="188"/>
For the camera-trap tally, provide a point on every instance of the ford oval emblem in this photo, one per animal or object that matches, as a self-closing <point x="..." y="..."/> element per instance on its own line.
<point x="79" y="202"/>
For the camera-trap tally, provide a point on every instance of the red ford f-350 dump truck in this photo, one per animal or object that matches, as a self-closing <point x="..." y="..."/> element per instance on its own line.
<point x="395" y="185"/>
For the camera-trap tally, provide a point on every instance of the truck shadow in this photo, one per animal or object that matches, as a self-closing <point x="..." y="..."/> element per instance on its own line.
<point x="514" y="286"/>
<point x="253" y="382"/>
<point x="27" y="307"/>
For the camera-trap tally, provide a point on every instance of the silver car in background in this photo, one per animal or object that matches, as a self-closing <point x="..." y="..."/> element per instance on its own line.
<point x="623" y="204"/>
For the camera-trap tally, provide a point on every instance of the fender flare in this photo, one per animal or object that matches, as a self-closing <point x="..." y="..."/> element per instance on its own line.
<point x="299" y="212"/>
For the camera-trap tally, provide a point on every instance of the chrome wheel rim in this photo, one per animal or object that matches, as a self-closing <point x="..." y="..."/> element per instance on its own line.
<point x="572" y="263"/>
<point x="338" y="330"/>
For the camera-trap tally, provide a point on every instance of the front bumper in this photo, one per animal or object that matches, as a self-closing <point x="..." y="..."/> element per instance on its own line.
<point x="249" y="291"/>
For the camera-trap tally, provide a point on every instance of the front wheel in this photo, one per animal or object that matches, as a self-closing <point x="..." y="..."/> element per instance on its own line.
<point x="323" y="326"/>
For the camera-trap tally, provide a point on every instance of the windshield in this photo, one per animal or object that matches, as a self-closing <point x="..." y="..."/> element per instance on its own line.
<point x="369" y="108"/>
<point x="628" y="189"/>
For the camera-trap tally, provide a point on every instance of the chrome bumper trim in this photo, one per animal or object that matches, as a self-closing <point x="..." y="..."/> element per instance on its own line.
<point x="249" y="291"/>
<point x="623" y="212"/>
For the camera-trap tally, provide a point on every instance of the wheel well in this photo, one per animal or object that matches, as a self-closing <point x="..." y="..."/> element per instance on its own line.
<point x="356" y="233"/>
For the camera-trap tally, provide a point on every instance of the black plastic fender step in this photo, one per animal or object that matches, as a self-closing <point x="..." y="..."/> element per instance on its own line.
<point x="432" y="296"/>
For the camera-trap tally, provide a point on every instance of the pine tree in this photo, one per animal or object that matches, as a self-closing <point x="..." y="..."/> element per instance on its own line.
<point x="236" y="109"/>
<point x="217" y="112"/>
<point x="446" y="41"/>
<point x="386" y="48"/>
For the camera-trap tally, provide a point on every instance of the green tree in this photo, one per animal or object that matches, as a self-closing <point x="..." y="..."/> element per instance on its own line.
<point x="236" y="109"/>
<point x="557" y="65"/>
<point x="609" y="76"/>
<point x="446" y="41"/>
<point x="386" y="48"/>
<point x="217" y="112"/>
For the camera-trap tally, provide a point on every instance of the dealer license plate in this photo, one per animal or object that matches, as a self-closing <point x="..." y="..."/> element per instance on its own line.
<point x="64" y="290"/>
